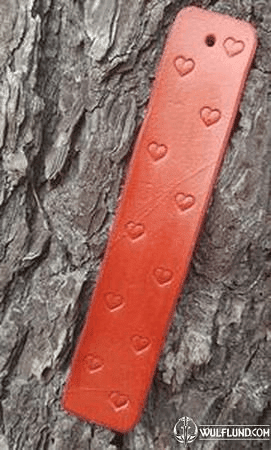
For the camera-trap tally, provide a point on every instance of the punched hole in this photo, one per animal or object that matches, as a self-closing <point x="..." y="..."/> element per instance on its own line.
<point x="210" y="40"/>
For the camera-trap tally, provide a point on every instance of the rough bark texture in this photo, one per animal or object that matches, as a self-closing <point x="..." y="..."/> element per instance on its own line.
<point x="74" y="81"/>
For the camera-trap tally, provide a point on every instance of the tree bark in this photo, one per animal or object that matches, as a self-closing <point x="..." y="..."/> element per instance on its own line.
<point x="74" y="82"/>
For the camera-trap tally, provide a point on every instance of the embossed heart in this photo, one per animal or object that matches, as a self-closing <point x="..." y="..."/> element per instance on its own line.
<point x="135" y="230"/>
<point x="233" y="47"/>
<point x="113" y="301"/>
<point x="140" y="343"/>
<point x="118" y="400"/>
<point x="163" y="275"/>
<point x="93" y="363"/>
<point x="209" y="115"/>
<point x="183" y="65"/>
<point x="184" y="201"/>
<point x="157" y="151"/>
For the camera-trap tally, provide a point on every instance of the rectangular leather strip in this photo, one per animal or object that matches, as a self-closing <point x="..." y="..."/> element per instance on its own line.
<point x="173" y="170"/>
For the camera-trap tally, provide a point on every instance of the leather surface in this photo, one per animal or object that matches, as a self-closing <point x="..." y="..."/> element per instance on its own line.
<point x="173" y="170"/>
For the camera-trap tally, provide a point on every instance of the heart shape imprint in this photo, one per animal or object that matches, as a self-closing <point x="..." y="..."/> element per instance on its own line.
<point x="113" y="301"/>
<point x="183" y="65"/>
<point x="184" y="201"/>
<point x="93" y="363"/>
<point x="210" y="116"/>
<point x="157" y="151"/>
<point x="140" y="343"/>
<point x="233" y="47"/>
<point x="135" y="230"/>
<point x="118" y="400"/>
<point x="163" y="275"/>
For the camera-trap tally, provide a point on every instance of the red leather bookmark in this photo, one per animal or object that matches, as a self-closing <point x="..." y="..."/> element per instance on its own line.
<point x="175" y="162"/>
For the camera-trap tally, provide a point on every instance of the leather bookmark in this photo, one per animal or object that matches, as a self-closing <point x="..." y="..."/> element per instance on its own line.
<point x="173" y="170"/>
